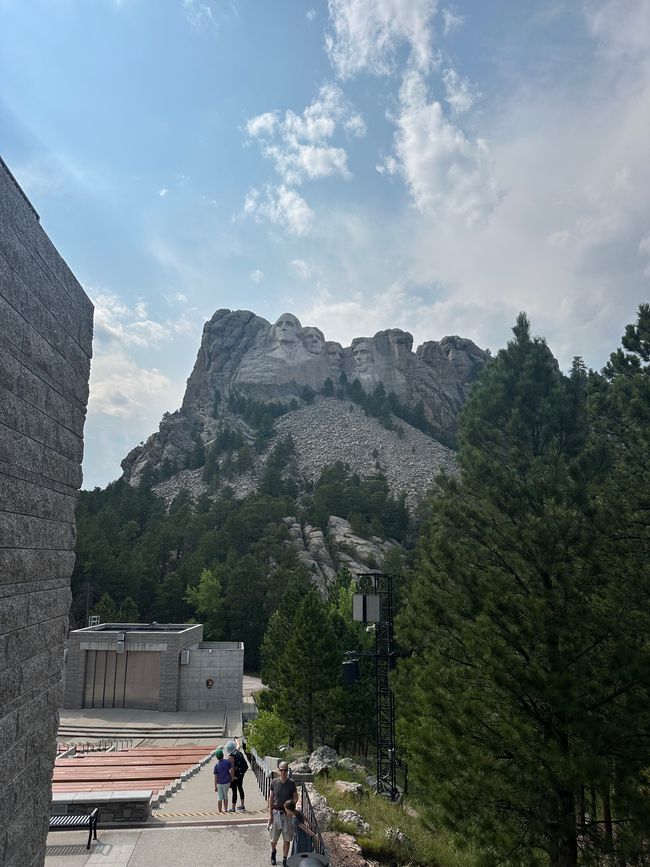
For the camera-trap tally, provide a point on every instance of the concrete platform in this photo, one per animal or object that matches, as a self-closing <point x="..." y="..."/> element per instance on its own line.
<point x="170" y="846"/>
<point x="151" y="728"/>
<point x="148" y="727"/>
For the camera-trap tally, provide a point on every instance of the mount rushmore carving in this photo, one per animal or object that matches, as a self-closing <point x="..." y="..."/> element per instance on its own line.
<point x="243" y="354"/>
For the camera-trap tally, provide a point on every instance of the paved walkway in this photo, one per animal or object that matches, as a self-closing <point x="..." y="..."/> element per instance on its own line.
<point x="197" y="802"/>
<point x="186" y="830"/>
<point x="169" y="846"/>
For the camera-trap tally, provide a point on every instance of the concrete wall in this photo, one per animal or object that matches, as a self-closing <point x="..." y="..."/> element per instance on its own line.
<point x="45" y="349"/>
<point x="168" y="644"/>
<point x="223" y="662"/>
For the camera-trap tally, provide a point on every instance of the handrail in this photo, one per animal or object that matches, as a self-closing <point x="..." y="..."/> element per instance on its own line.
<point x="263" y="773"/>
<point x="305" y="842"/>
<point x="302" y="842"/>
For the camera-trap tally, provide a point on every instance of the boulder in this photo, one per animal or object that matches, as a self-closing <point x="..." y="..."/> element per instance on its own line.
<point x="344" y="851"/>
<point x="322" y="759"/>
<point x="354" y="790"/>
<point x="351" y="817"/>
<point x="350" y="766"/>
<point x="322" y="810"/>
<point x="394" y="835"/>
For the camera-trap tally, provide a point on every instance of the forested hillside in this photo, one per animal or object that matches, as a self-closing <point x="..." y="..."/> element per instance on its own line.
<point x="136" y="560"/>
<point x="523" y="680"/>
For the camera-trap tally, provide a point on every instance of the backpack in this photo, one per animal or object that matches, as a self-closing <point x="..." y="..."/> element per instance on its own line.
<point x="241" y="765"/>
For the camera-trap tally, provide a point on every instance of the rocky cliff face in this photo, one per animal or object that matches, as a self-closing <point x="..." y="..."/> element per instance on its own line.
<point x="244" y="356"/>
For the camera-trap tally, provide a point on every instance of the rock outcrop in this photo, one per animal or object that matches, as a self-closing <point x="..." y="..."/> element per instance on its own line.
<point x="344" y="851"/>
<point x="242" y="355"/>
<point x="322" y="760"/>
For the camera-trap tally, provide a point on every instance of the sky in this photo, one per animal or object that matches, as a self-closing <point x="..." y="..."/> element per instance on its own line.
<point x="364" y="164"/>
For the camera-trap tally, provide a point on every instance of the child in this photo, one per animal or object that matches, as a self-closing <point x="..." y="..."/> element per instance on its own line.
<point x="297" y="823"/>
<point x="222" y="780"/>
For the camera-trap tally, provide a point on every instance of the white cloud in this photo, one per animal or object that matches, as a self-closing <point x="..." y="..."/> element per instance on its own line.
<point x="644" y="250"/>
<point x="355" y="126"/>
<point x="282" y="206"/>
<point x="199" y="15"/>
<point x="622" y="27"/>
<point x="301" y="268"/>
<point x="163" y="192"/>
<point x="447" y="174"/>
<point x="644" y="245"/>
<point x="366" y="35"/>
<point x="558" y="238"/>
<point x="460" y="94"/>
<point x="299" y="145"/>
<point x="310" y="14"/>
<point x="118" y="323"/>
<point x="114" y="320"/>
<point x="307" y="162"/>
<point x="262" y="125"/>
<point x="125" y="382"/>
<point x="122" y="389"/>
<point x="451" y="20"/>
<point x="257" y="276"/>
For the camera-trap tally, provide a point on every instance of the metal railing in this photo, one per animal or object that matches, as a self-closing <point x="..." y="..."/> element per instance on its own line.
<point x="302" y="842"/>
<point x="101" y="745"/>
<point x="305" y="842"/>
<point x="263" y="773"/>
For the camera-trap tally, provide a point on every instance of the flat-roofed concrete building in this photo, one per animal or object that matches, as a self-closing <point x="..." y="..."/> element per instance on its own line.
<point x="152" y="666"/>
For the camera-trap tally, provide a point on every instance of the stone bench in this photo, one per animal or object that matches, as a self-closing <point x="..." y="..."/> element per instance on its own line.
<point x="71" y="821"/>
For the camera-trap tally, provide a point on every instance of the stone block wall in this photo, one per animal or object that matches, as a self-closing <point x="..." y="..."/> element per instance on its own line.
<point x="223" y="663"/>
<point x="45" y="349"/>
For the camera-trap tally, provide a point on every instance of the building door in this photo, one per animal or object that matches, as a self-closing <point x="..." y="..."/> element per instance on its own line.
<point x="130" y="679"/>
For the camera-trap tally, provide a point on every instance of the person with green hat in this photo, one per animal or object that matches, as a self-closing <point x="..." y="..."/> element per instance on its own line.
<point x="222" y="780"/>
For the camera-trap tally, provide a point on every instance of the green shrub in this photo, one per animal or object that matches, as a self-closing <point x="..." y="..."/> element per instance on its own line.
<point x="267" y="732"/>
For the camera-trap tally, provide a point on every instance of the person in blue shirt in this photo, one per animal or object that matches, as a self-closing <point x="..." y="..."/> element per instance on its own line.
<point x="223" y="771"/>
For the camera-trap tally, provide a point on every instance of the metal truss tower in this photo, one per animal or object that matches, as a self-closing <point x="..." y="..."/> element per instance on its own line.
<point x="382" y="587"/>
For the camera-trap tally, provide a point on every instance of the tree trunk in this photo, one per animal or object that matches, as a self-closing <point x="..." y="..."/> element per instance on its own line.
<point x="563" y="851"/>
<point x="607" y="818"/>
<point x="310" y="724"/>
<point x="593" y="806"/>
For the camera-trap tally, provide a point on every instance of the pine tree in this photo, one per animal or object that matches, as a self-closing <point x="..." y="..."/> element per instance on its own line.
<point x="106" y="609"/>
<point x="309" y="668"/>
<point x="129" y="611"/>
<point x="518" y="630"/>
<point x="206" y="597"/>
<point x="619" y="403"/>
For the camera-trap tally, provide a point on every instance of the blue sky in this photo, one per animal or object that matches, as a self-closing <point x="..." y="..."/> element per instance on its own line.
<point x="363" y="164"/>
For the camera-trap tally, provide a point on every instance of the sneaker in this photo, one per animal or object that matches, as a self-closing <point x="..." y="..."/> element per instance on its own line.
<point x="241" y="809"/>
<point x="273" y="859"/>
<point x="231" y="809"/>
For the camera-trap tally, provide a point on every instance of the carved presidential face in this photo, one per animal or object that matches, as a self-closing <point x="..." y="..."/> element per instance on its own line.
<point x="286" y="329"/>
<point x="334" y="355"/>
<point x="362" y="354"/>
<point x="400" y="338"/>
<point x="313" y="340"/>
